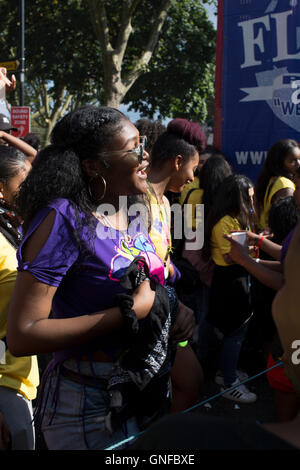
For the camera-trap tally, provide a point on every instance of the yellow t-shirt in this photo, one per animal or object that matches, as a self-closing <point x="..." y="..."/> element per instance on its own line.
<point x="276" y="185"/>
<point x="19" y="373"/>
<point x="219" y="245"/>
<point x="192" y="185"/>
<point x="194" y="198"/>
<point x="160" y="233"/>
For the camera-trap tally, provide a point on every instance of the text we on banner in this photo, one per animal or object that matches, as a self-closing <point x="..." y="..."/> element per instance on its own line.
<point x="257" y="79"/>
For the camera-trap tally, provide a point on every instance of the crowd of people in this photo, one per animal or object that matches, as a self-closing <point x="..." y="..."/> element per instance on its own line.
<point x="92" y="274"/>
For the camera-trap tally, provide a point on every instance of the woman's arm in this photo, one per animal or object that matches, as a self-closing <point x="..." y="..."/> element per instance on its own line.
<point x="184" y="325"/>
<point x="29" y="328"/>
<point x="274" y="265"/>
<point x="268" y="277"/>
<point x="19" y="144"/>
<point x="31" y="331"/>
<point x="269" y="247"/>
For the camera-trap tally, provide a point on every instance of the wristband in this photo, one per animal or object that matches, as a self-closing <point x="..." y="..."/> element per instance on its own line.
<point x="183" y="344"/>
<point x="257" y="260"/>
<point x="260" y="242"/>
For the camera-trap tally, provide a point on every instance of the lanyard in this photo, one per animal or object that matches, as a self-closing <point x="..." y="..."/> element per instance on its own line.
<point x="164" y="218"/>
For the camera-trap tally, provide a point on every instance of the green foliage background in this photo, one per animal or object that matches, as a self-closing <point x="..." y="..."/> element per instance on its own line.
<point x="64" y="64"/>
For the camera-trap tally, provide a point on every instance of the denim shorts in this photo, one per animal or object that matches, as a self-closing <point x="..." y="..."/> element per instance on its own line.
<point x="74" y="414"/>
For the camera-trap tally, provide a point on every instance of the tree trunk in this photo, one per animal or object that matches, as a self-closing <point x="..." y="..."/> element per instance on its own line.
<point x="47" y="114"/>
<point x="116" y="86"/>
<point x="59" y="110"/>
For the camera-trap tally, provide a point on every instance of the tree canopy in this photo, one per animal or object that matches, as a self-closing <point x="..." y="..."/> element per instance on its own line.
<point x="180" y="79"/>
<point x="156" y="55"/>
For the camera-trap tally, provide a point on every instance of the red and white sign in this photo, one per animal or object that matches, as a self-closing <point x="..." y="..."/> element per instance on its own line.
<point x="20" y="118"/>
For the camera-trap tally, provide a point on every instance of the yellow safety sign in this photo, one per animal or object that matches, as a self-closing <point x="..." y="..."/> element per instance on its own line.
<point x="10" y="65"/>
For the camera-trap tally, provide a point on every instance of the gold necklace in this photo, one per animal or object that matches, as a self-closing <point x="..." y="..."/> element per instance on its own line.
<point x="102" y="217"/>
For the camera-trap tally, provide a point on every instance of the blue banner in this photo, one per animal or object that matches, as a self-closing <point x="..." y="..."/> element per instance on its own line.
<point x="260" y="96"/>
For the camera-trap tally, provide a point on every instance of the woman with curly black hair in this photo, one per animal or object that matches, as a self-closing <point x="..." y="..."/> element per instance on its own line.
<point x="276" y="179"/>
<point x="79" y="243"/>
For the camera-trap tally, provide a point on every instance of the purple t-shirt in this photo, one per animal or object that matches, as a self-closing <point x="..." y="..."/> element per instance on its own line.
<point x="87" y="276"/>
<point x="285" y="245"/>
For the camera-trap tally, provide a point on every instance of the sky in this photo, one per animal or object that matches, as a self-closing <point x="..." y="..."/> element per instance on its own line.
<point x="211" y="15"/>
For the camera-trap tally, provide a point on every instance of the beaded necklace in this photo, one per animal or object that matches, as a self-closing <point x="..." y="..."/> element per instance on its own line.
<point x="9" y="224"/>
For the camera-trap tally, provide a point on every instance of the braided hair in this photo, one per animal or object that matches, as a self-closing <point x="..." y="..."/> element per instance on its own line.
<point x="12" y="161"/>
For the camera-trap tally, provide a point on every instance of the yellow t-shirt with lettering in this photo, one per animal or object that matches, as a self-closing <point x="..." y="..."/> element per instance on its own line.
<point x="275" y="185"/>
<point x="219" y="245"/>
<point x="18" y="373"/>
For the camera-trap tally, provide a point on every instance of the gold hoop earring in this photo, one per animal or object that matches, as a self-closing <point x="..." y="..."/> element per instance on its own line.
<point x="90" y="191"/>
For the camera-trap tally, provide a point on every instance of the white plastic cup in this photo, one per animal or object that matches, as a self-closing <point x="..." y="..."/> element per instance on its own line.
<point x="239" y="237"/>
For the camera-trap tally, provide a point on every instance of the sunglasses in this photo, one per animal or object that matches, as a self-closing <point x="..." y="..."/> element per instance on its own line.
<point x="137" y="152"/>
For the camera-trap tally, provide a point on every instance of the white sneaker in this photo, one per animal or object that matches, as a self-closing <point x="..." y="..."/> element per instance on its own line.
<point x="241" y="375"/>
<point x="240" y="394"/>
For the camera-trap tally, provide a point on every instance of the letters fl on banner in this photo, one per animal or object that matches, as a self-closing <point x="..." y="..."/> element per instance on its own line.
<point x="259" y="77"/>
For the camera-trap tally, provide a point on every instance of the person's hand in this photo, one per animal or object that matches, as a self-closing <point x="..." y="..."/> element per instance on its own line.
<point x="2" y="138"/>
<point x="252" y="238"/>
<point x="4" y="433"/>
<point x="238" y="253"/>
<point x="184" y="324"/>
<point x="143" y="297"/>
<point x="10" y="85"/>
<point x="3" y="76"/>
